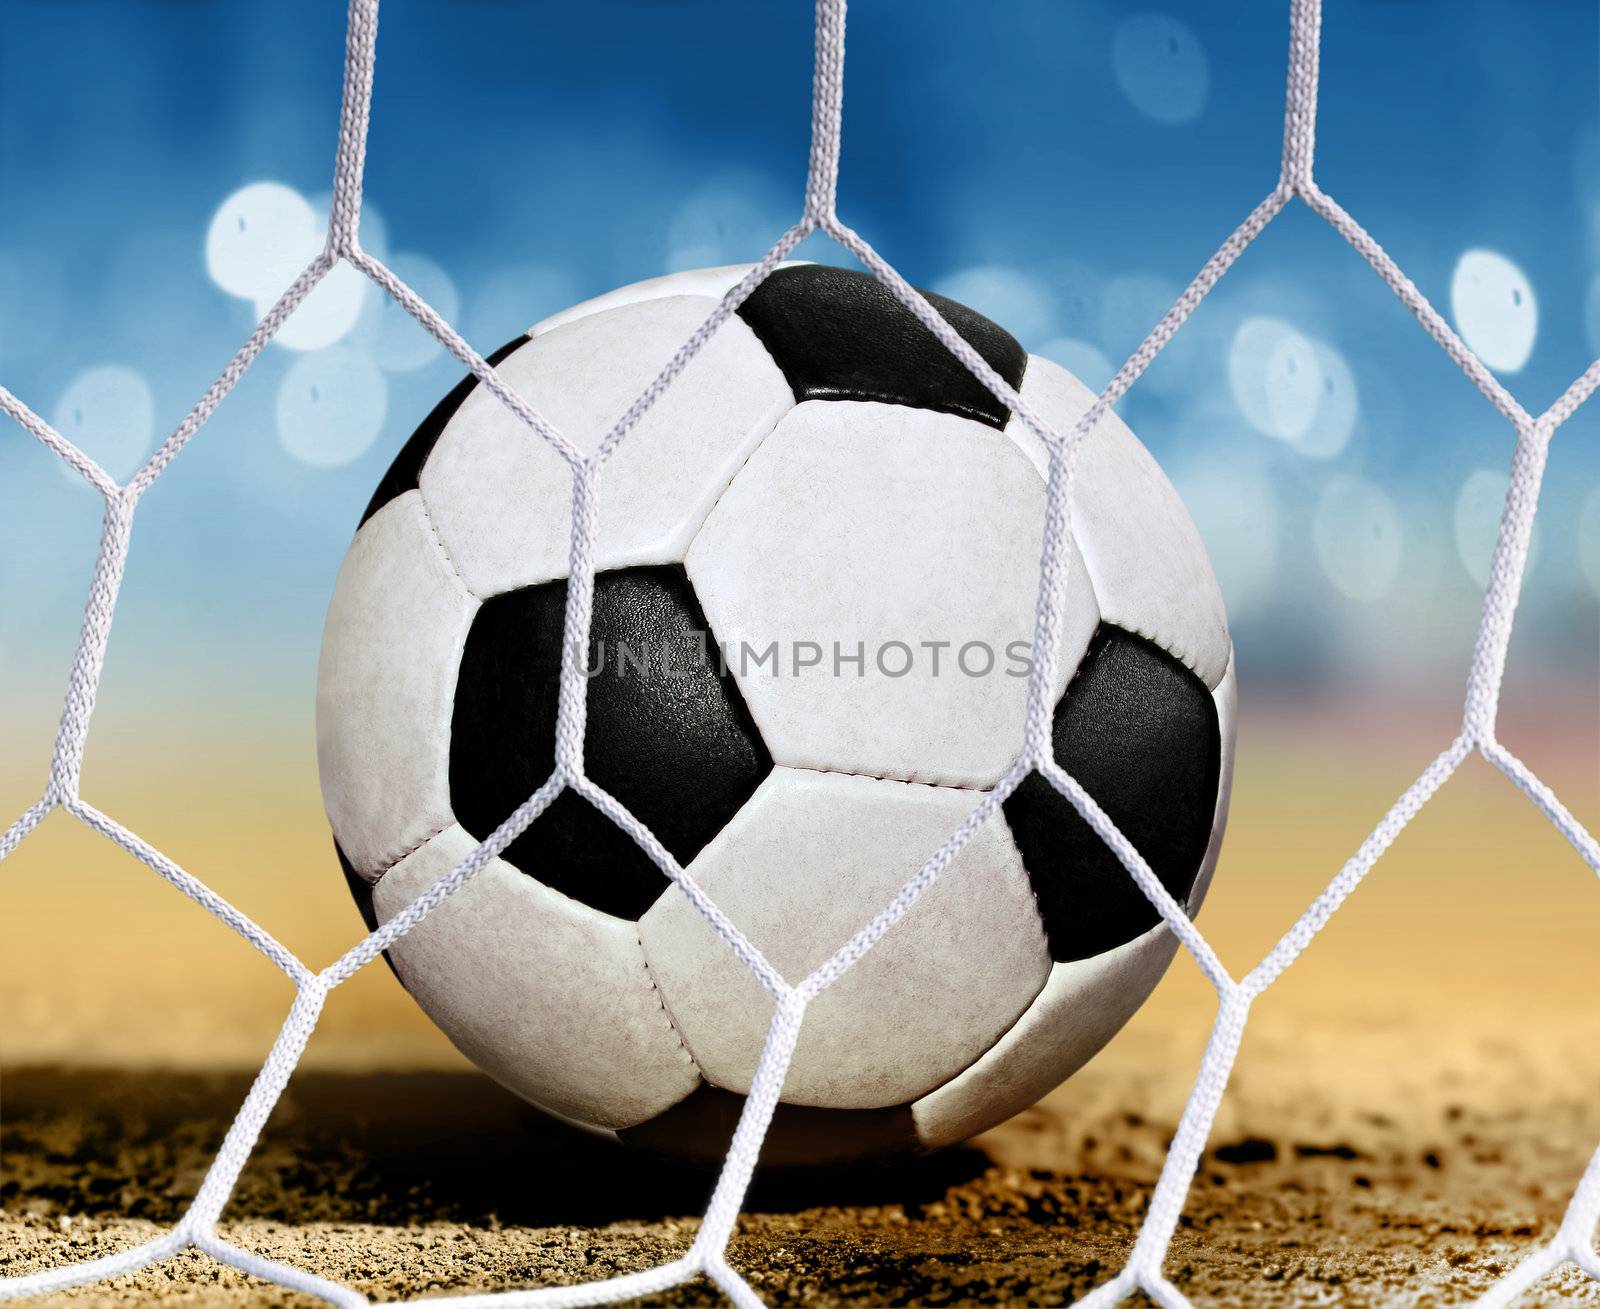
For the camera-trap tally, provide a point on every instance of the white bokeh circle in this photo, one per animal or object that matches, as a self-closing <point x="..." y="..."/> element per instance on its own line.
<point x="1275" y="377"/>
<point x="1338" y="406"/>
<point x="1493" y="304"/>
<point x="1479" y="506"/>
<point x="1359" y="537"/>
<point x="327" y="314"/>
<point x="396" y="341"/>
<point x="331" y="406"/>
<point x="109" y="413"/>
<point x="1161" y="67"/>
<point x="372" y="232"/>
<point x="260" y="238"/>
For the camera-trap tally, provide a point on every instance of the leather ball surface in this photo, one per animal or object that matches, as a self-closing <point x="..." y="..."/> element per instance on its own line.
<point x="846" y="527"/>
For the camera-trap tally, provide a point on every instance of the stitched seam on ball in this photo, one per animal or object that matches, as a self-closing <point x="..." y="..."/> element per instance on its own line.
<point x="971" y="413"/>
<point x="444" y="550"/>
<point x="402" y="857"/>
<point x="880" y="777"/>
<point x="1170" y="647"/>
<point x="1003" y="1033"/>
<point x="666" y="1013"/>
<point x="743" y="464"/>
<point x="751" y="454"/>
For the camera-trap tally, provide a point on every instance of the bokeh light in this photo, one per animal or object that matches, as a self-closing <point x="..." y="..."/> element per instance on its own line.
<point x="1479" y="504"/>
<point x="109" y="413"/>
<point x="1275" y="378"/>
<point x="374" y="233"/>
<point x="396" y="341"/>
<point x="1359" y="537"/>
<point x="259" y="239"/>
<point x="327" y="314"/>
<point x="331" y="406"/>
<point x="1161" y="67"/>
<point x="1493" y="305"/>
<point x="1338" y="406"/>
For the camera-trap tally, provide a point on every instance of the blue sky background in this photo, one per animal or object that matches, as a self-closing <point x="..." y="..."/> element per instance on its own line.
<point x="1064" y="166"/>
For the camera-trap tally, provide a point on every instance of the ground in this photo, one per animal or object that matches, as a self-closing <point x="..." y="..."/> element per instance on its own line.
<point x="407" y="1183"/>
<point x="1413" y="1105"/>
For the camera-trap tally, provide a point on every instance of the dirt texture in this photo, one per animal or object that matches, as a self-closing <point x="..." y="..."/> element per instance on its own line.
<point x="405" y="1184"/>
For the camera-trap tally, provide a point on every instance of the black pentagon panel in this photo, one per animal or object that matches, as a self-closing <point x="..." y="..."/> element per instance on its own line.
<point x="1138" y="729"/>
<point x="360" y="889"/>
<point x="839" y="334"/>
<point x="361" y="893"/>
<point x="406" y="469"/>
<point x="699" y="1128"/>
<point x="668" y="733"/>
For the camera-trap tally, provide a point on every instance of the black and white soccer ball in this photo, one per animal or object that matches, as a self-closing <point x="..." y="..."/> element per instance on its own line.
<point x="823" y="474"/>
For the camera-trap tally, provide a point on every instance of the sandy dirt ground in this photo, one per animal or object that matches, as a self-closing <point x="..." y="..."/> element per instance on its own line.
<point x="1413" y="1104"/>
<point x="401" y="1184"/>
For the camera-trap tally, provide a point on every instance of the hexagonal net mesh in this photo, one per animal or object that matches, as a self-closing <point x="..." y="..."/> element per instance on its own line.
<point x="706" y="1256"/>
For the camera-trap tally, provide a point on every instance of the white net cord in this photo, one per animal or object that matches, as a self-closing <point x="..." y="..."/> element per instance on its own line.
<point x="707" y="1255"/>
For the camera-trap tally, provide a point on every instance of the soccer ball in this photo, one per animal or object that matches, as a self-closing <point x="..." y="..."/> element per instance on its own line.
<point x="845" y="527"/>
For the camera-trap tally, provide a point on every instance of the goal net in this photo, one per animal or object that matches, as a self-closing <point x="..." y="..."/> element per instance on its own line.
<point x="707" y="1255"/>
